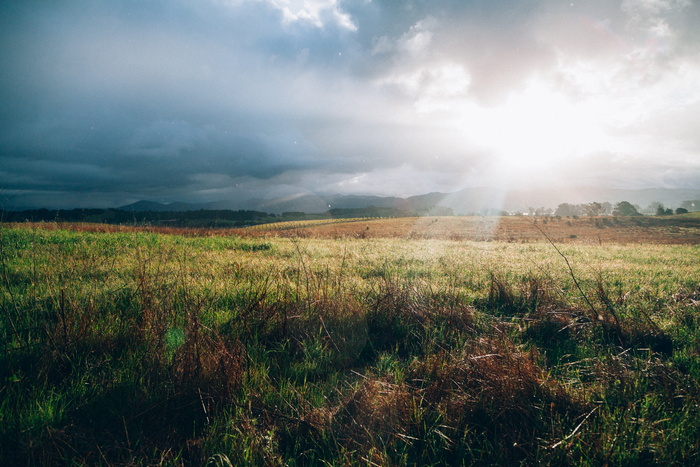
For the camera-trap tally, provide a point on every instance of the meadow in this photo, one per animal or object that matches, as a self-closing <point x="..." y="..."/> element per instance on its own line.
<point x="337" y="344"/>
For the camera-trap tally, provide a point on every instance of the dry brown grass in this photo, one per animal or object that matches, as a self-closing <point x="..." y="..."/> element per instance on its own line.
<point x="519" y="229"/>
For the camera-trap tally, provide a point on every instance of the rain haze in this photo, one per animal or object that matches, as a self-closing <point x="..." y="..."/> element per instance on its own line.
<point x="107" y="103"/>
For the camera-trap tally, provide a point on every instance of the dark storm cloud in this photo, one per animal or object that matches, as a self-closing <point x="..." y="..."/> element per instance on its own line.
<point x="125" y="97"/>
<point x="182" y="99"/>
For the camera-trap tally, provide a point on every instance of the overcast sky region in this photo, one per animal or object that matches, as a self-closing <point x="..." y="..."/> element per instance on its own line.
<point x="103" y="103"/>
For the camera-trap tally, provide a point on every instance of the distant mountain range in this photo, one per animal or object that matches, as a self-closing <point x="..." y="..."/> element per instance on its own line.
<point x="467" y="201"/>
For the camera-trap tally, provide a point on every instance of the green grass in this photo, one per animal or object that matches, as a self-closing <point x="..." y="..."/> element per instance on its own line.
<point x="139" y="348"/>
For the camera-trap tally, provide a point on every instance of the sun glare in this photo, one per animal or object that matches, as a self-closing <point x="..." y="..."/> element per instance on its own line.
<point x="534" y="128"/>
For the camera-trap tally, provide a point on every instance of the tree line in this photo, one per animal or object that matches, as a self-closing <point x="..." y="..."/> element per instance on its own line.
<point x="198" y="218"/>
<point x="241" y="218"/>
<point x="623" y="208"/>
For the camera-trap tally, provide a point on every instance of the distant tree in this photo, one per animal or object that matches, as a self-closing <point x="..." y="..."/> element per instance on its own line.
<point x="654" y="208"/>
<point x="660" y="210"/>
<point x="593" y="209"/>
<point x="563" y="210"/>
<point x="607" y="207"/>
<point x="625" y="208"/>
<point x="440" y="211"/>
<point x="566" y="210"/>
<point x="295" y="214"/>
<point x="681" y="211"/>
<point x="691" y="205"/>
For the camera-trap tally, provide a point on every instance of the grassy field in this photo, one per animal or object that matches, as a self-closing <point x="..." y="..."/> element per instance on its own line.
<point x="344" y="344"/>
<point x="681" y="229"/>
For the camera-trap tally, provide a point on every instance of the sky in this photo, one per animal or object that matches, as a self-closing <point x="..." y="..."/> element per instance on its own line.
<point x="103" y="103"/>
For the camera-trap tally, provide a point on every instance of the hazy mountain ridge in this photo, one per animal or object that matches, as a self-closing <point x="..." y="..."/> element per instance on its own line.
<point x="470" y="200"/>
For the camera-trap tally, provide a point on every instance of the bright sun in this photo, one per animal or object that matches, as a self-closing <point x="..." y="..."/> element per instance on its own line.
<point x="534" y="128"/>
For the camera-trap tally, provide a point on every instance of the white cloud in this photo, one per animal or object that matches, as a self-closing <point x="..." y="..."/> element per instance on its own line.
<point x="394" y="181"/>
<point x="654" y="18"/>
<point x="420" y="72"/>
<point x="316" y="12"/>
<point x="382" y="45"/>
<point x="641" y="8"/>
<point x="417" y="40"/>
